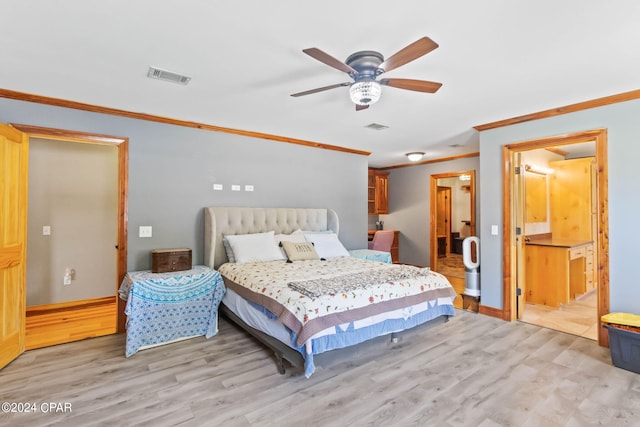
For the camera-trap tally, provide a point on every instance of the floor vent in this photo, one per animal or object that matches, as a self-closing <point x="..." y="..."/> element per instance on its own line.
<point x="168" y="76"/>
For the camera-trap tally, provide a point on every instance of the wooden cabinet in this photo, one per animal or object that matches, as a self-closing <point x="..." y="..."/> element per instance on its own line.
<point x="589" y="270"/>
<point x="572" y="204"/>
<point x="395" y="246"/>
<point x="378" y="192"/>
<point x="557" y="273"/>
<point x="573" y="207"/>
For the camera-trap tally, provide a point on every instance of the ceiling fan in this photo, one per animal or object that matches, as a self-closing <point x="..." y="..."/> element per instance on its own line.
<point x="365" y="66"/>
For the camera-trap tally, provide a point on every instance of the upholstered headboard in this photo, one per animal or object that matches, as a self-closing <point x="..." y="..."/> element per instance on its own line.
<point x="219" y="221"/>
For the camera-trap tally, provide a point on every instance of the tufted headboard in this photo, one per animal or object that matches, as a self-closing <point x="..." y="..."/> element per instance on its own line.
<point x="219" y="221"/>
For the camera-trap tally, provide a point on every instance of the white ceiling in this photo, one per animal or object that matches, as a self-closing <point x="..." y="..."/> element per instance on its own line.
<point x="497" y="59"/>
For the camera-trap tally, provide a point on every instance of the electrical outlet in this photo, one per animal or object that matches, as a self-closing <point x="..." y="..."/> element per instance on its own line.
<point x="46" y="230"/>
<point x="218" y="187"/>
<point x="235" y="188"/>
<point x="248" y="188"/>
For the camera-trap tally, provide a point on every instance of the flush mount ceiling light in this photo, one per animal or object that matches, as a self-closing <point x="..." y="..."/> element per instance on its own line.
<point x="415" y="156"/>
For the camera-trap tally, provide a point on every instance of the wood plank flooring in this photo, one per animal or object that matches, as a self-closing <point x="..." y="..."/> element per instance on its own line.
<point x="578" y="317"/>
<point x="472" y="371"/>
<point x="53" y="324"/>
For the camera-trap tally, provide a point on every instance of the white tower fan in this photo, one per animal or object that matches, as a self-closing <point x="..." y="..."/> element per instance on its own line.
<point x="471" y="268"/>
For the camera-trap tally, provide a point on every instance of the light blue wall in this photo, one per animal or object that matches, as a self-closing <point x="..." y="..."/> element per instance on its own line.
<point x="623" y="123"/>
<point x="172" y="170"/>
<point x="409" y="210"/>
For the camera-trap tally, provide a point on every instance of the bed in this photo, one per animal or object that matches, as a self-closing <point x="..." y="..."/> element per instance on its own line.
<point x="301" y="305"/>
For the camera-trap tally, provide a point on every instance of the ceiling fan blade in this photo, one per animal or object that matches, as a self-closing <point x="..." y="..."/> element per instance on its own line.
<point x="409" y="84"/>
<point x="413" y="51"/>
<point x="320" y="89"/>
<point x="329" y="60"/>
<point x="361" y="107"/>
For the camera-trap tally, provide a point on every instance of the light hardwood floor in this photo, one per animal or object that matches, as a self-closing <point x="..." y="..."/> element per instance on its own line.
<point x="578" y="317"/>
<point x="472" y="371"/>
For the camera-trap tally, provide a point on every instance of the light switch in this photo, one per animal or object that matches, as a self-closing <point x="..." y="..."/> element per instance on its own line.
<point x="494" y="230"/>
<point x="248" y="188"/>
<point x="46" y="230"/>
<point x="218" y="187"/>
<point x="145" y="231"/>
<point x="235" y="188"/>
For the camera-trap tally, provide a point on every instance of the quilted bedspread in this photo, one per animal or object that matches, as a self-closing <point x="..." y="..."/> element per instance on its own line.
<point x="164" y="307"/>
<point x="267" y="284"/>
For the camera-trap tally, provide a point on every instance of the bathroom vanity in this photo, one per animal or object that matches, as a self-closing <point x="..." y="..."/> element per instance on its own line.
<point x="557" y="270"/>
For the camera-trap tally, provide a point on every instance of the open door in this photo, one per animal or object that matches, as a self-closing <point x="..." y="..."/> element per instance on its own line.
<point x="14" y="156"/>
<point x="518" y="232"/>
<point x="444" y="220"/>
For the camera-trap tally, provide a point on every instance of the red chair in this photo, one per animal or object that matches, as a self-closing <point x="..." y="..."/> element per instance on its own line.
<point x="382" y="240"/>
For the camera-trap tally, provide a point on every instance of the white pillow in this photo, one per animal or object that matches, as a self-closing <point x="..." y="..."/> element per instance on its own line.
<point x="296" y="237"/>
<point x="327" y="244"/>
<point x="256" y="247"/>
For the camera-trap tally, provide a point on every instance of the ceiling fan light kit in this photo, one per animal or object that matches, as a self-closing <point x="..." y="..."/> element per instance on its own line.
<point x="365" y="92"/>
<point x="365" y="66"/>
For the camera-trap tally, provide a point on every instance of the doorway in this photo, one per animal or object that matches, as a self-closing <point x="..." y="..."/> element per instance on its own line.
<point x="452" y="209"/>
<point x="83" y="316"/>
<point x="565" y="252"/>
<point x="443" y="227"/>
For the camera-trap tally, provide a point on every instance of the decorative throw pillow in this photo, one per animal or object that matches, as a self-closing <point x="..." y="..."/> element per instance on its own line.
<point x="296" y="236"/>
<point x="327" y="245"/>
<point x="256" y="247"/>
<point x="299" y="251"/>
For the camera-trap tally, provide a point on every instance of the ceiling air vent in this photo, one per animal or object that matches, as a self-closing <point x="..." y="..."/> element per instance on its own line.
<point x="168" y="76"/>
<point x="376" y="126"/>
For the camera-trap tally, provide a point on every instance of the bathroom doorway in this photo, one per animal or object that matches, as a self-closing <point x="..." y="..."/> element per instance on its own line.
<point x="537" y="244"/>
<point x="558" y="207"/>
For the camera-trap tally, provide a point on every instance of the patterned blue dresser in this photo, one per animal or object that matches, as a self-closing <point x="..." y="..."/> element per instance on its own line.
<point x="167" y="307"/>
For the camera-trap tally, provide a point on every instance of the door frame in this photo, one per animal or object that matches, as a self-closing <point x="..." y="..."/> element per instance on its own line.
<point x="433" y="244"/>
<point x="602" y="212"/>
<point x="122" y="145"/>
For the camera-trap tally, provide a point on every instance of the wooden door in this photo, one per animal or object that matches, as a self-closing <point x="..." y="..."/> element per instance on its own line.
<point x="517" y="240"/>
<point x="14" y="156"/>
<point x="382" y="194"/>
<point x="443" y="217"/>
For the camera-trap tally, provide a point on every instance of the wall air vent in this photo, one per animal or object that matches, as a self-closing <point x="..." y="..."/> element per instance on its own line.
<point x="168" y="76"/>
<point x="376" y="126"/>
